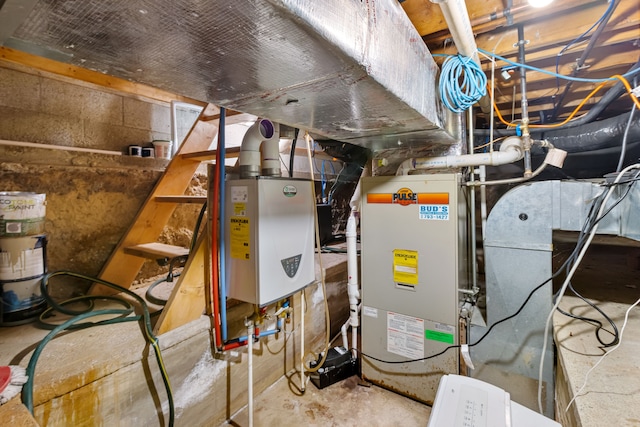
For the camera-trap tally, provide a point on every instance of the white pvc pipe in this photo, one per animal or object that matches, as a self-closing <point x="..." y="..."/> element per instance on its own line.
<point x="457" y="17"/>
<point x="250" y="331"/>
<point x="58" y="147"/>
<point x="343" y="331"/>
<point x="302" y="368"/>
<point x="352" y="276"/>
<point x="271" y="154"/>
<point x="483" y="199"/>
<point x="509" y="153"/>
<point x="249" y="158"/>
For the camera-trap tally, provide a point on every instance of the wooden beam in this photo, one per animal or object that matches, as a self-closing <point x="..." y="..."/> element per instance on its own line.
<point x="488" y="17"/>
<point x="122" y="268"/>
<point x="12" y="56"/>
<point x="187" y="300"/>
<point x="155" y="250"/>
<point x="554" y="31"/>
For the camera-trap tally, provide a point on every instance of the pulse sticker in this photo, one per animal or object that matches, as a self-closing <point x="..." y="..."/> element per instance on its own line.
<point x="405" y="197"/>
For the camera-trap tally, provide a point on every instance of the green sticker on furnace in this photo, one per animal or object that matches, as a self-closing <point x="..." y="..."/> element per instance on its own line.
<point x="438" y="336"/>
<point x="405" y="266"/>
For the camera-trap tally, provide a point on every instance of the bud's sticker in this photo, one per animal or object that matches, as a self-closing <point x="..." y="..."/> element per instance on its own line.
<point x="289" y="190"/>
<point x="434" y="212"/>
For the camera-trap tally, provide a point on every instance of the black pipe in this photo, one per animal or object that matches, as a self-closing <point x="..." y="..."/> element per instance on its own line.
<point x="593" y="113"/>
<point x="292" y="154"/>
<point x="583" y="57"/>
<point x="595" y="136"/>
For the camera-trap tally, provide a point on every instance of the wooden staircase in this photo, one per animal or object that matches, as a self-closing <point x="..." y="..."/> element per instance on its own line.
<point x="187" y="301"/>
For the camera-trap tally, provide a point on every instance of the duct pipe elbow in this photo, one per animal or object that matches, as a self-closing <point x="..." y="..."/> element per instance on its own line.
<point x="405" y="167"/>
<point x="271" y="154"/>
<point x="249" y="159"/>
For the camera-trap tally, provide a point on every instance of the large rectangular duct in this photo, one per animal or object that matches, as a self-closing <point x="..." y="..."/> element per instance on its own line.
<point x="354" y="71"/>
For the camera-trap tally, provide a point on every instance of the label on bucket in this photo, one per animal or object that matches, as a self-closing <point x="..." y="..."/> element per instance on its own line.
<point x="21" y="258"/>
<point x="21" y="214"/>
<point x="18" y="205"/>
<point x="25" y="227"/>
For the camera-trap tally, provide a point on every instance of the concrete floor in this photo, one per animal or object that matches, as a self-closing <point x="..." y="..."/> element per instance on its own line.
<point x="344" y="404"/>
<point x="609" y="276"/>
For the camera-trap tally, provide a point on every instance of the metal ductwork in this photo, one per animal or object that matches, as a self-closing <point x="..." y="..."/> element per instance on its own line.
<point x="352" y="71"/>
<point x="519" y="233"/>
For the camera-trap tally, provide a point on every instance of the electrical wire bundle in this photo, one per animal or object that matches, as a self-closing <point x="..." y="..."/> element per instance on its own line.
<point x="600" y="207"/>
<point x="462" y="83"/>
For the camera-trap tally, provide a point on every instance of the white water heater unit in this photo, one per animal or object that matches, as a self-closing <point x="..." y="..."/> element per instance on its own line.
<point x="269" y="238"/>
<point x="413" y="256"/>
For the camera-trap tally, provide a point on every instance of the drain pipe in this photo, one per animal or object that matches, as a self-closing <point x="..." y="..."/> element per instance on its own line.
<point x="457" y="18"/>
<point x="511" y="150"/>
<point x="352" y="270"/>
<point x="262" y="131"/>
<point x="250" y="331"/>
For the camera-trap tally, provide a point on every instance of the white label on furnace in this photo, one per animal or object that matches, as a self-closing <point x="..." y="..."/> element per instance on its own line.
<point x="369" y="311"/>
<point x="239" y="194"/>
<point x="444" y="328"/>
<point x="405" y="335"/>
<point x="434" y="212"/>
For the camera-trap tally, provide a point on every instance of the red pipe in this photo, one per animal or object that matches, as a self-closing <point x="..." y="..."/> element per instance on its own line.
<point x="215" y="271"/>
<point x="234" y="345"/>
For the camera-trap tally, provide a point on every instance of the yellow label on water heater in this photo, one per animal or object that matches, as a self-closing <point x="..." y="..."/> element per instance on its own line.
<point x="239" y="237"/>
<point x="405" y="266"/>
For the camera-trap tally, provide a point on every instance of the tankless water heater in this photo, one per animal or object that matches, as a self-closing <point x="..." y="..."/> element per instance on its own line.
<point x="269" y="238"/>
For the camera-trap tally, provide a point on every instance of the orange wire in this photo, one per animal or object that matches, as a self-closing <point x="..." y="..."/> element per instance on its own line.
<point x="584" y="101"/>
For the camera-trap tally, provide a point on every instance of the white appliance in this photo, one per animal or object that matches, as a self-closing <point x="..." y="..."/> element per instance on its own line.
<point x="467" y="402"/>
<point x="269" y="238"/>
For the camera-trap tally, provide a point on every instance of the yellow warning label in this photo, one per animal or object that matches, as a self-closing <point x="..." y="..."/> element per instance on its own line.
<point x="240" y="238"/>
<point x="405" y="266"/>
<point x="240" y="209"/>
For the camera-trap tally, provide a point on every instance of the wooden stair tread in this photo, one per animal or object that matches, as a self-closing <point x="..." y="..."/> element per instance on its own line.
<point x="156" y="250"/>
<point x="181" y="199"/>
<point x="208" y="155"/>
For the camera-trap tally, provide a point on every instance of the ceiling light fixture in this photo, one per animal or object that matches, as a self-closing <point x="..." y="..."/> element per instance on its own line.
<point x="539" y="3"/>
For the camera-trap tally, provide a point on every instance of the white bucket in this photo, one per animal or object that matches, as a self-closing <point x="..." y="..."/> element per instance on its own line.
<point x="21" y="214"/>
<point x="162" y="149"/>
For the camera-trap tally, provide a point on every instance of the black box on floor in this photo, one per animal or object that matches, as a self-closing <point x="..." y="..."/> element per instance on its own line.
<point x="339" y="365"/>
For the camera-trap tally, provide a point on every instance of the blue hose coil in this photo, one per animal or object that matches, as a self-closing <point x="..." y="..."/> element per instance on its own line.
<point x="462" y="83"/>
